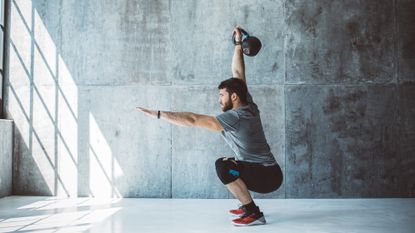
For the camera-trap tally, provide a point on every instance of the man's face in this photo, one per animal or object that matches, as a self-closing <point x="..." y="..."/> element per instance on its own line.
<point x="225" y="100"/>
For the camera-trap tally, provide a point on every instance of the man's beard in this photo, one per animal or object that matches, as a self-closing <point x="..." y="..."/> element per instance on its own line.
<point x="228" y="106"/>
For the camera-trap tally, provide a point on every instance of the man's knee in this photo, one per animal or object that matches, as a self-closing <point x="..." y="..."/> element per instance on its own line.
<point x="220" y="163"/>
<point x="226" y="170"/>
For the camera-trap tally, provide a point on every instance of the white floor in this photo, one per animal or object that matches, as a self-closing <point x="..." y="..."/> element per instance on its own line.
<point x="46" y="214"/>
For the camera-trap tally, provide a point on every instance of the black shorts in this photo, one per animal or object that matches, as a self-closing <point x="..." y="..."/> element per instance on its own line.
<point x="257" y="177"/>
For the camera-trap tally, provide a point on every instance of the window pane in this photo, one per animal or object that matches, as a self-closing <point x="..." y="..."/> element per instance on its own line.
<point x="2" y="12"/>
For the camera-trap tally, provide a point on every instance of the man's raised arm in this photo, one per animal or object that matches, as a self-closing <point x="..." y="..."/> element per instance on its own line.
<point x="238" y="64"/>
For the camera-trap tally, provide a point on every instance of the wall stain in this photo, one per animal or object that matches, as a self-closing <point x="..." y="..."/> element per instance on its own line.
<point x="274" y="67"/>
<point x="183" y="77"/>
<point x="346" y="111"/>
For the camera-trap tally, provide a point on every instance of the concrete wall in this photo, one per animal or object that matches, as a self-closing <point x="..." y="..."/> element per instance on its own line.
<point x="334" y="82"/>
<point x="6" y="155"/>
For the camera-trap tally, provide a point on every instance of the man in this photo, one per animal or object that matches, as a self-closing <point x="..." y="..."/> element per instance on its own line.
<point x="254" y="166"/>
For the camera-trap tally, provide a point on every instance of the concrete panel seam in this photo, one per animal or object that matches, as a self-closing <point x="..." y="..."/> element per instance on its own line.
<point x="396" y="41"/>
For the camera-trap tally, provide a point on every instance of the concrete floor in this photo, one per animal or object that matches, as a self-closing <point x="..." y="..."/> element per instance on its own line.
<point x="49" y="214"/>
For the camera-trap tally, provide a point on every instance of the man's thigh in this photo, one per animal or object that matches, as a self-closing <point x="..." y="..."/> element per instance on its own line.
<point x="259" y="178"/>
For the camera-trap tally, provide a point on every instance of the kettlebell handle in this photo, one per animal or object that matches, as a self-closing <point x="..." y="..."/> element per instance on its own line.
<point x="245" y="35"/>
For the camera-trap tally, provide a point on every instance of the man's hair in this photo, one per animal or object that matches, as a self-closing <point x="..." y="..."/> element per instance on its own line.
<point x="235" y="85"/>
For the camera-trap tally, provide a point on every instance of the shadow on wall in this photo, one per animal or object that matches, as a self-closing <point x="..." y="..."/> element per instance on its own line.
<point x="43" y="100"/>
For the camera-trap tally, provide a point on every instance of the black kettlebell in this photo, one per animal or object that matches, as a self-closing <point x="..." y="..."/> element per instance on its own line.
<point x="250" y="44"/>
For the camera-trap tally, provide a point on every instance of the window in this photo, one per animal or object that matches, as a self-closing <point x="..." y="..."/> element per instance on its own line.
<point x="2" y="51"/>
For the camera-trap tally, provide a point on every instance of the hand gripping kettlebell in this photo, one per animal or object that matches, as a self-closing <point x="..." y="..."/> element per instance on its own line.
<point x="250" y="44"/>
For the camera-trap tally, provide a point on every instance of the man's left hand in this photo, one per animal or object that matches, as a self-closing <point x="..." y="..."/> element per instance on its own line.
<point x="148" y="112"/>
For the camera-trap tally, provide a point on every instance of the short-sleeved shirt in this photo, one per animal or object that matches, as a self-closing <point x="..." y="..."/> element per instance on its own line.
<point x="244" y="133"/>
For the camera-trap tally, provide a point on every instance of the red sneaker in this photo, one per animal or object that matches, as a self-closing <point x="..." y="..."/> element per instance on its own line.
<point x="237" y="212"/>
<point x="250" y="220"/>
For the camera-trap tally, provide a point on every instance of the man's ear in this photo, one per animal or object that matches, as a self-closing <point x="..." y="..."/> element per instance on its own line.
<point x="234" y="96"/>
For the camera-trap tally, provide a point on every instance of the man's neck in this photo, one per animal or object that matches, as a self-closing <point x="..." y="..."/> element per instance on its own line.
<point x="237" y="105"/>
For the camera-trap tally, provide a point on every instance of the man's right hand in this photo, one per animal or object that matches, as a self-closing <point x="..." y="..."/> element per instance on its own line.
<point x="238" y="34"/>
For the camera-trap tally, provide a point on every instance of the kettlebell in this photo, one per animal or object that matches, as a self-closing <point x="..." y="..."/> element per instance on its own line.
<point x="250" y="44"/>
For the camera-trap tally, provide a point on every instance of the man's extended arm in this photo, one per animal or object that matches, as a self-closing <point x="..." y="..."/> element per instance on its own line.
<point x="186" y="119"/>
<point x="238" y="64"/>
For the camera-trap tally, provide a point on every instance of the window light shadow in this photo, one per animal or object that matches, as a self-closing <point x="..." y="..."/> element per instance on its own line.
<point x="43" y="100"/>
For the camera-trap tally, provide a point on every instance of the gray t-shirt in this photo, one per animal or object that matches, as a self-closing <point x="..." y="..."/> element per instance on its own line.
<point x="244" y="134"/>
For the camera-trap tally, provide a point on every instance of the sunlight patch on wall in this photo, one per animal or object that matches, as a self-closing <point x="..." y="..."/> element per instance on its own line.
<point x="103" y="168"/>
<point x="21" y="41"/>
<point x="68" y="131"/>
<point x="19" y="98"/>
<point x="25" y="7"/>
<point x="47" y="49"/>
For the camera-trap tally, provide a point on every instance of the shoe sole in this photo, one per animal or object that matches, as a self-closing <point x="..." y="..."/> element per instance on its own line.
<point x="260" y="221"/>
